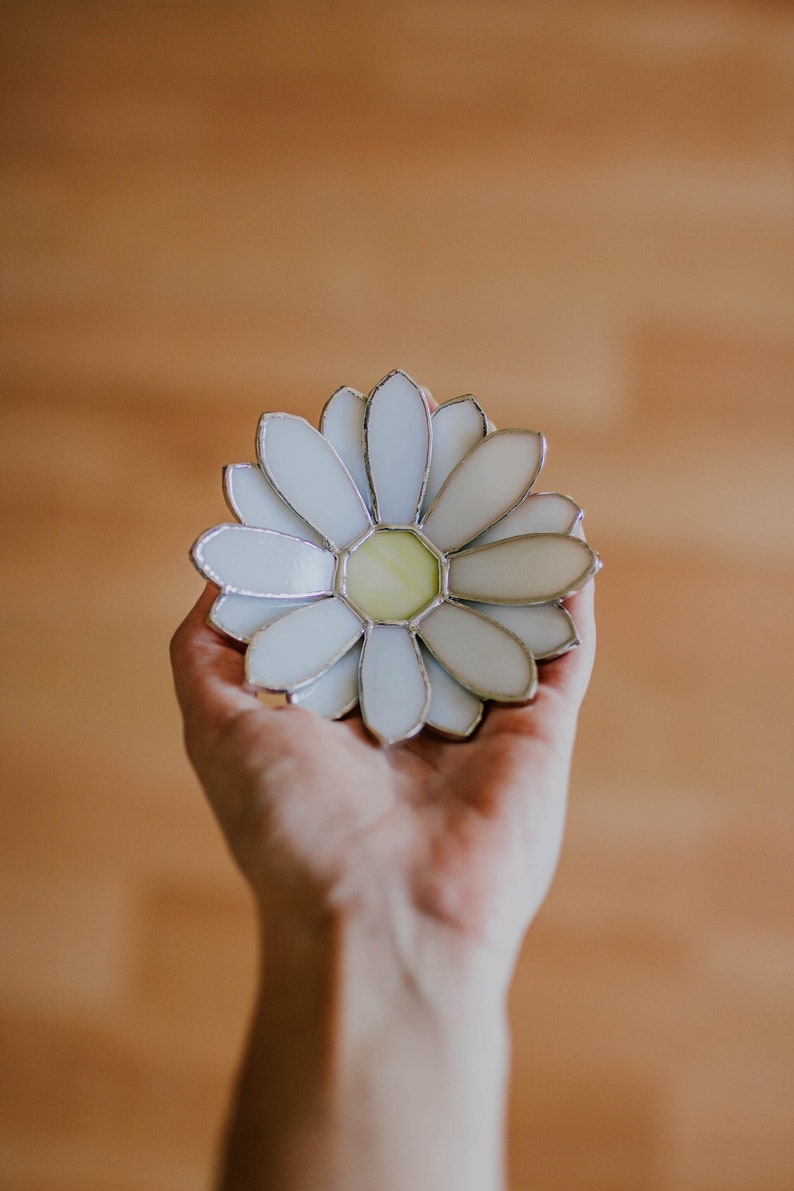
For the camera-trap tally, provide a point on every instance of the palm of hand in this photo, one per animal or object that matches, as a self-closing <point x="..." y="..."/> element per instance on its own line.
<point x="466" y="836"/>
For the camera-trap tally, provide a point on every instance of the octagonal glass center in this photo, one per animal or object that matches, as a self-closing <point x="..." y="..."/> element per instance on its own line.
<point x="392" y="575"/>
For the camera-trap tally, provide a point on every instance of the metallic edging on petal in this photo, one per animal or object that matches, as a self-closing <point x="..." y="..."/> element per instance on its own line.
<point x="311" y="535"/>
<point x="446" y="733"/>
<point x="280" y="690"/>
<point x="227" y="489"/>
<point x="260" y="441"/>
<point x="359" y="396"/>
<point x="417" y="728"/>
<point x="458" y="737"/>
<point x="376" y="517"/>
<point x="484" y="694"/>
<point x="478" y="446"/>
<point x="550" y="655"/>
<point x="346" y="710"/>
<point x="208" y="572"/>
<point x="578" y="514"/>
<point x="552" y="597"/>
<point x="342" y="389"/>
<point x="467" y="399"/>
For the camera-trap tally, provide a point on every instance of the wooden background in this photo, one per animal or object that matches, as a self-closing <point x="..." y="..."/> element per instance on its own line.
<point x="581" y="212"/>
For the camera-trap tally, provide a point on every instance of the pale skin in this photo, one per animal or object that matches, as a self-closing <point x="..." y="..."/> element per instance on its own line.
<point x="394" y="886"/>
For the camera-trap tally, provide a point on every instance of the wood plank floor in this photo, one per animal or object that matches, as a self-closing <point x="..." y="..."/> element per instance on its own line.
<point x="582" y="213"/>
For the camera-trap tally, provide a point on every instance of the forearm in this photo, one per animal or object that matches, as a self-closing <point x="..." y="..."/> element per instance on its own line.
<point x="364" y="1070"/>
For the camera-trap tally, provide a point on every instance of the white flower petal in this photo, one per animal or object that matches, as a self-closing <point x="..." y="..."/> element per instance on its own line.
<point x="540" y="512"/>
<point x="334" y="693"/>
<point x="490" y="481"/>
<point x="547" y="630"/>
<point x="458" y="426"/>
<point x="397" y="447"/>
<point x="261" y="562"/>
<point x="479" y="653"/>
<point x="453" y="710"/>
<point x="342" y="423"/>
<point x="306" y="470"/>
<point x="534" y="569"/>
<point x="254" y="501"/>
<point x="394" y="690"/>
<point x="302" y="645"/>
<point x="242" y="616"/>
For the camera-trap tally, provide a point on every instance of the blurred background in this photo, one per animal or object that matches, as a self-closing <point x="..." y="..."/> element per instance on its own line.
<point x="583" y="214"/>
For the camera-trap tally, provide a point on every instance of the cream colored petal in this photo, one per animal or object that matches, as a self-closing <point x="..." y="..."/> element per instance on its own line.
<point x="457" y="427"/>
<point x="301" y="646"/>
<point x="397" y="447"/>
<point x="306" y="470"/>
<point x="535" y="569"/>
<point x="334" y="693"/>
<point x="394" y="690"/>
<point x="540" y="512"/>
<point x="490" y="481"/>
<point x="342" y="423"/>
<point x="261" y="562"/>
<point x="547" y="630"/>
<point x="255" y="502"/>
<point x="242" y="616"/>
<point x="453" y="710"/>
<point x="479" y="653"/>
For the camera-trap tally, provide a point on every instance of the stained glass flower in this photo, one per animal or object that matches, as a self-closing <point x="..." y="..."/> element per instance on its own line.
<point x="396" y="559"/>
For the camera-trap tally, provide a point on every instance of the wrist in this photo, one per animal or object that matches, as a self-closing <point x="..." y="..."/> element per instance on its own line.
<point x="381" y="1045"/>
<point x="353" y="977"/>
<point x="422" y="1061"/>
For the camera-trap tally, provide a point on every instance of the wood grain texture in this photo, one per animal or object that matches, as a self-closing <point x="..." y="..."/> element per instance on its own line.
<point x="581" y="213"/>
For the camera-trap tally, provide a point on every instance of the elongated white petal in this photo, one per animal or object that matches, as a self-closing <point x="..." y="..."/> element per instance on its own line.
<point x="342" y="423"/>
<point x="489" y="482"/>
<point x="453" y="709"/>
<point x="458" y="426"/>
<point x="261" y="562"/>
<point x="242" y="616"/>
<point x="397" y="447"/>
<point x="306" y="470"/>
<point x="540" y="512"/>
<point x="334" y="693"/>
<point x="535" y="569"/>
<point x="302" y="645"/>
<point x="479" y="653"/>
<point x="251" y="497"/>
<point x="547" y="630"/>
<point x="394" y="690"/>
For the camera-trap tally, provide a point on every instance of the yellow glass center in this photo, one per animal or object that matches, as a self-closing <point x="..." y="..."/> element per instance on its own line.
<point x="392" y="575"/>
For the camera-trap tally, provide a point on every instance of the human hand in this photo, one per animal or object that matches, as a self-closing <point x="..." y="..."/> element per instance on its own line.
<point x="322" y="819"/>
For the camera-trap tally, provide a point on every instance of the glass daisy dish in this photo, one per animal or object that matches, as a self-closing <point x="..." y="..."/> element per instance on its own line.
<point x="396" y="560"/>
